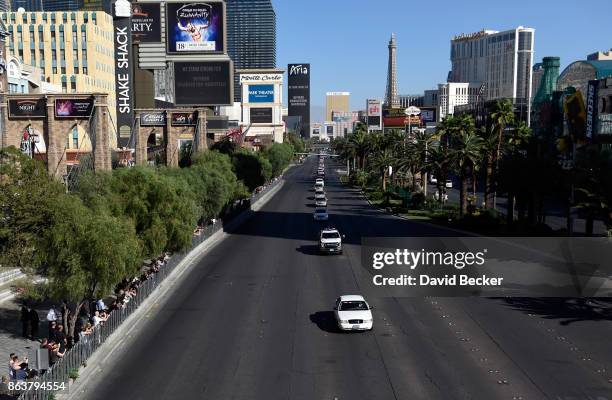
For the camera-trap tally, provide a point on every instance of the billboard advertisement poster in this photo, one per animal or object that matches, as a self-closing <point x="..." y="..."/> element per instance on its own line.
<point x="298" y="94"/>
<point x="329" y="129"/>
<point x="428" y="115"/>
<point x="146" y="23"/>
<point x="261" y="115"/>
<point x="261" y="93"/>
<point x="205" y="83"/>
<point x="374" y="110"/>
<point x="394" y="118"/>
<point x="591" y="109"/>
<point x="74" y="108"/>
<point x="27" y="108"/>
<point x="183" y="119"/>
<point x="194" y="28"/>
<point x="153" y="118"/>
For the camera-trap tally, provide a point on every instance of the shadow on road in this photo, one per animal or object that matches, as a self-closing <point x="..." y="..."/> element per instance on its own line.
<point x="325" y="320"/>
<point x="309" y="249"/>
<point x="568" y="310"/>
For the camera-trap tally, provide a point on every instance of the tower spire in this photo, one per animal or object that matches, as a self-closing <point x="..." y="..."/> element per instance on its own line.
<point x="391" y="95"/>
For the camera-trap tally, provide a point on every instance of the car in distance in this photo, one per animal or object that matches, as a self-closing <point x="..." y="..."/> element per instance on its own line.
<point x="319" y="189"/>
<point x="433" y="179"/>
<point x="320" y="180"/>
<point x="320" y="214"/>
<point x="330" y="241"/>
<point x="449" y="184"/>
<point x="321" y="201"/>
<point x="353" y="313"/>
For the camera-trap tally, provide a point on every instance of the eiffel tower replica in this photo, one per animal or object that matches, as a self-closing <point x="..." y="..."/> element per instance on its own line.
<point x="391" y="95"/>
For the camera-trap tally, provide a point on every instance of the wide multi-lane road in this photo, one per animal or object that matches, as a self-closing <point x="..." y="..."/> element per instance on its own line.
<point x="253" y="320"/>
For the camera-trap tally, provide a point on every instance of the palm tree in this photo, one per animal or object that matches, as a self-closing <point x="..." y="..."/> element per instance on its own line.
<point x="382" y="160"/>
<point x="360" y="144"/>
<point x="502" y="116"/>
<point x="466" y="153"/>
<point x="439" y="161"/>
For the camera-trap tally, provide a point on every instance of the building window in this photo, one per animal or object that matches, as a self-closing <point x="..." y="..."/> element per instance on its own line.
<point x="75" y="39"/>
<point x="72" y="85"/>
<point x="64" y="88"/>
<point x="75" y="55"/>
<point x="53" y="38"/>
<point x="75" y="137"/>
<point x="33" y="57"/>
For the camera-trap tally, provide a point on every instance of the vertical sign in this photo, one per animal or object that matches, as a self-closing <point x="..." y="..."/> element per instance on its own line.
<point x="123" y="71"/>
<point x="591" y="109"/>
<point x="298" y="93"/>
<point x="374" y="114"/>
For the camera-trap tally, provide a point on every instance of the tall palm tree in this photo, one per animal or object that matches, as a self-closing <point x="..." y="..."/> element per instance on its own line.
<point x="439" y="161"/>
<point x="382" y="160"/>
<point x="502" y="116"/>
<point x="466" y="154"/>
<point x="360" y="144"/>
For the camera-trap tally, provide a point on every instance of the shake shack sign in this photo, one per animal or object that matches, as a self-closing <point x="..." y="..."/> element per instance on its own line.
<point x="153" y="119"/>
<point x="27" y="108"/>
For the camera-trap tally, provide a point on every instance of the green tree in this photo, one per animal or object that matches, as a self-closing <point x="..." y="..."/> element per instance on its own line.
<point x="501" y="117"/>
<point x="86" y="253"/>
<point x="253" y="169"/>
<point x="280" y="156"/>
<point x="26" y="200"/>
<point x="466" y="153"/>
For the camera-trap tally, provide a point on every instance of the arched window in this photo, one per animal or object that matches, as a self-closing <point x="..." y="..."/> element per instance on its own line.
<point x="72" y="138"/>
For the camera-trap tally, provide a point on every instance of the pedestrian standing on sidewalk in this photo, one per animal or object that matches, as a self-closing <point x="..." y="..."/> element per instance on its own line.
<point x="34" y="322"/>
<point x="25" y="321"/>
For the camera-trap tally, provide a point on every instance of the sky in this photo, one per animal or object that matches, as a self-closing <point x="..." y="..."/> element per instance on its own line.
<point x="345" y="41"/>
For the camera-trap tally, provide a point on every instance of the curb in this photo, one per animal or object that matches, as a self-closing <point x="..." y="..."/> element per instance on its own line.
<point x="116" y="341"/>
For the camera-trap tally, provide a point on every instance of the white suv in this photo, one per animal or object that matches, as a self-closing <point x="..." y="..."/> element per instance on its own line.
<point x="330" y="241"/>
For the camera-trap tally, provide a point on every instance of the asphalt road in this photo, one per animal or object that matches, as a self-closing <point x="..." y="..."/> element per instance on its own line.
<point x="254" y="321"/>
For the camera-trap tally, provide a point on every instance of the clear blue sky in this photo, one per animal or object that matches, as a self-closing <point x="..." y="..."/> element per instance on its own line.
<point x="346" y="40"/>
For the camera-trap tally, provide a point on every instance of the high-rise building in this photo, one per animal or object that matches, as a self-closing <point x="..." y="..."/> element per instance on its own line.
<point x="336" y="101"/>
<point x="454" y="94"/>
<point x="5" y="5"/>
<point x="391" y="94"/>
<point x="536" y="77"/>
<point x="407" y="100"/>
<point x="73" y="50"/>
<point x="430" y="98"/>
<point x="500" y="60"/>
<point x="62" y="5"/>
<point x="27" y="5"/>
<point x="251" y="36"/>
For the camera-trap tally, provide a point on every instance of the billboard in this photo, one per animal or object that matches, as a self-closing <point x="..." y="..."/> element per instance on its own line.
<point x="27" y="108"/>
<point x="261" y="115"/>
<point x="203" y="83"/>
<point x="261" y="93"/>
<point x="146" y="23"/>
<point x="428" y="115"/>
<point x="591" y="109"/>
<point x="298" y="93"/>
<point x="373" y="113"/>
<point x="329" y="129"/>
<point x="156" y="118"/>
<point x="123" y="75"/>
<point x="183" y="119"/>
<point x="74" y="108"/>
<point x="195" y="28"/>
<point x="394" y="118"/>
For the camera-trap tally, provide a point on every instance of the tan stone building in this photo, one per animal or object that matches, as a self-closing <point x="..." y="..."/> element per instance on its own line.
<point x="72" y="49"/>
<point x="336" y="102"/>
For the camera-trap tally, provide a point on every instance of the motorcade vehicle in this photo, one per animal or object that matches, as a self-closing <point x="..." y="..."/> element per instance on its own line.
<point x="353" y="313"/>
<point x="330" y="241"/>
<point x="320" y="214"/>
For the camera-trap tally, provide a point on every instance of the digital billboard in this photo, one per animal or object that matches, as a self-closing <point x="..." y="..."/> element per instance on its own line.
<point x="261" y="93"/>
<point x="298" y="93"/>
<point x="183" y="118"/>
<point x="205" y="83"/>
<point x="146" y="23"/>
<point x="74" y="108"/>
<point x="261" y="115"/>
<point x="374" y="110"/>
<point x="394" y="118"/>
<point x="27" y="108"/>
<point x="194" y="28"/>
<point x="428" y="115"/>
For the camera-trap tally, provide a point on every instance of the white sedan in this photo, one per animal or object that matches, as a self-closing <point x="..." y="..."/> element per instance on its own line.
<point x="320" y="214"/>
<point x="320" y="181"/>
<point x="353" y="313"/>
